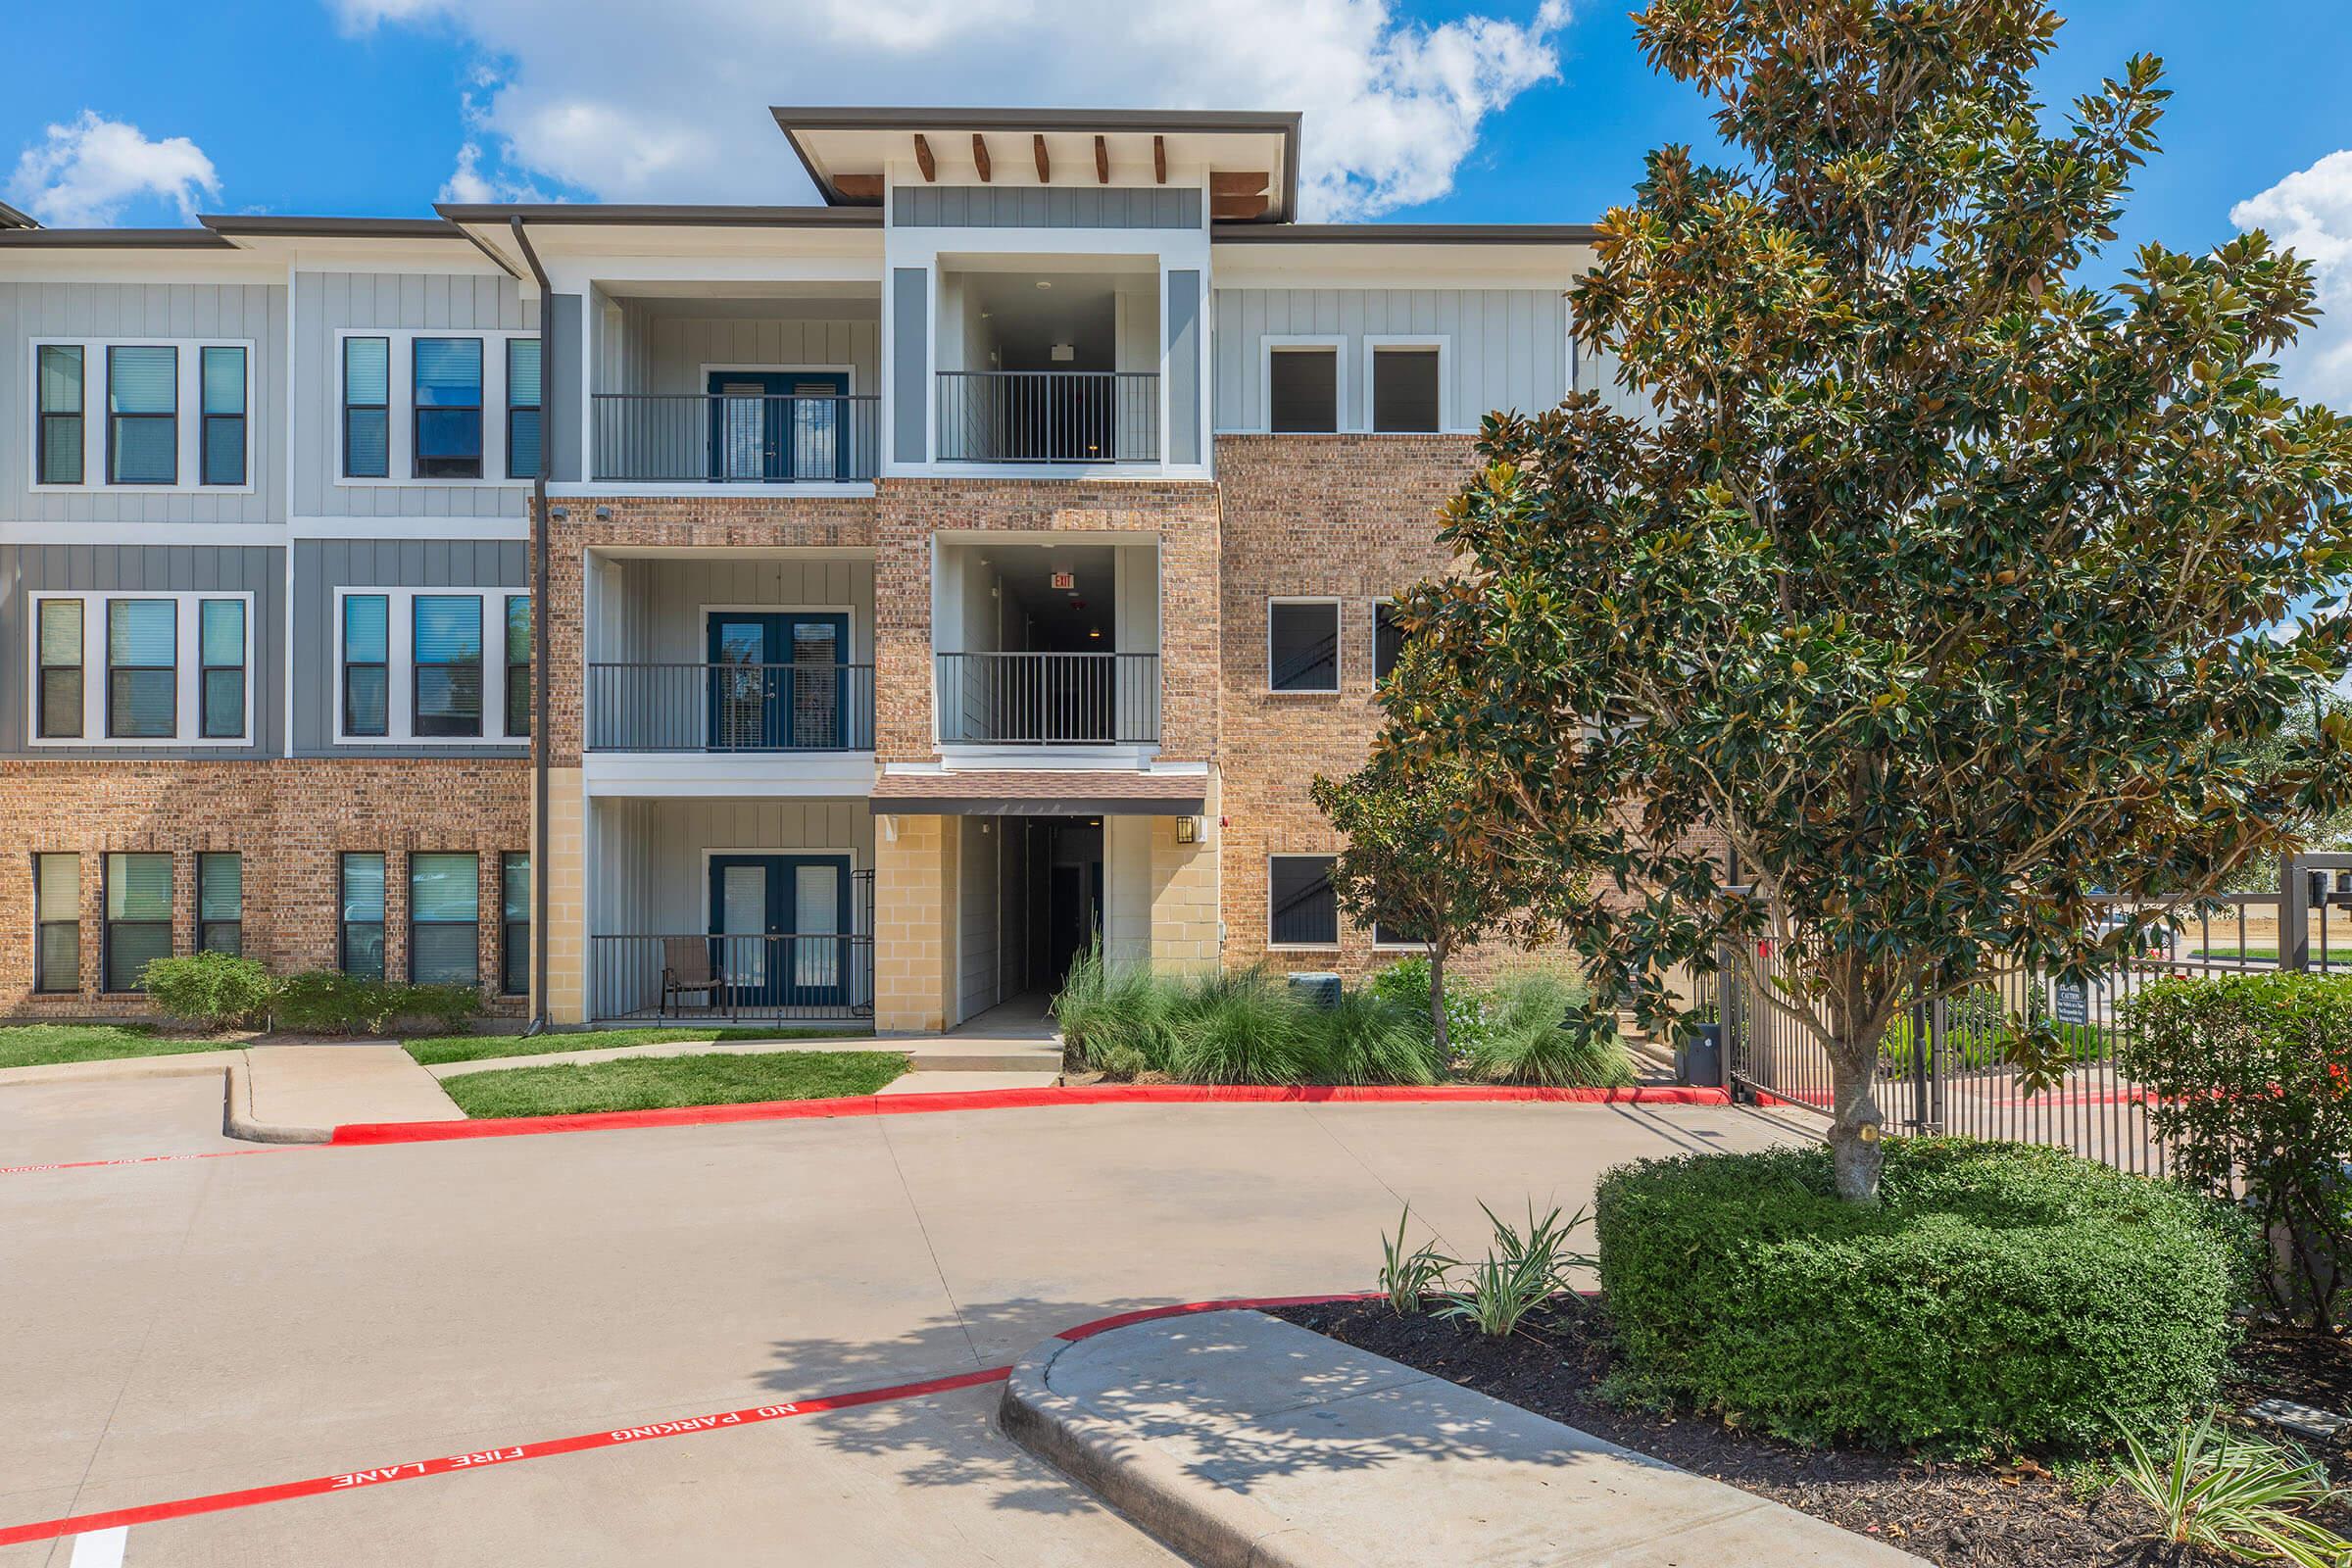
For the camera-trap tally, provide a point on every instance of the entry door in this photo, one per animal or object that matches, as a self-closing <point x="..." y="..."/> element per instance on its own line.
<point x="754" y="897"/>
<point x="779" y="681"/>
<point x="770" y="425"/>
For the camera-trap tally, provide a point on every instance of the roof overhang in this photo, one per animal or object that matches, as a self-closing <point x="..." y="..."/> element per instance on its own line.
<point x="849" y="152"/>
<point x="1041" y="792"/>
<point x="640" y="230"/>
<point x="10" y="217"/>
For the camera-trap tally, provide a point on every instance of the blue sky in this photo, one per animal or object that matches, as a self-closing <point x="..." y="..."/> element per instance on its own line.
<point x="1499" y="110"/>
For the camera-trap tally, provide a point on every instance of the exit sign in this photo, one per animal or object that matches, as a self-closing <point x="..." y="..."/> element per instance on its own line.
<point x="1065" y="579"/>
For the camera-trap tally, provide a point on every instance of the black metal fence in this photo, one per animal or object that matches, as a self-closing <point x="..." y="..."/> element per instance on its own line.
<point x="1048" y="699"/>
<point x="696" y="977"/>
<point x="1944" y="1067"/>
<point x="693" y="438"/>
<point x="1048" y="416"/>
<point x="804" y="706"/>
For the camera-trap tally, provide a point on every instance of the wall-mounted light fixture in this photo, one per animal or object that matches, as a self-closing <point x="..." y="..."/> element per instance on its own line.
<point x="1188" y="830"/>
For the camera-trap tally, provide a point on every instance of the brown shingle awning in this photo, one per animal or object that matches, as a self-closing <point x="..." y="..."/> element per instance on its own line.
<point x="1041" y="792"/>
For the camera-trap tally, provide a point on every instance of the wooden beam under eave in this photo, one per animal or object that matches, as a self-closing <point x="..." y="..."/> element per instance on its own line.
<point x="1237" y="209"/>
<point x="1044" y="165"/>
<point x="1101" y="162"/>
<point x="980" y="155"/>
<point x="1239" y="184"/>
<point x="1159" y="160"/>
<point x="923" y="158"/>
<point x="859" y="187"/>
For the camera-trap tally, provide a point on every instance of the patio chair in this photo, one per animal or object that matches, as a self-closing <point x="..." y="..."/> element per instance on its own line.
<point x="686" y="971"/>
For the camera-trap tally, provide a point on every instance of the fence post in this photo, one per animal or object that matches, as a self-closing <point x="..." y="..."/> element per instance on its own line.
<point x="2294" y="916"/>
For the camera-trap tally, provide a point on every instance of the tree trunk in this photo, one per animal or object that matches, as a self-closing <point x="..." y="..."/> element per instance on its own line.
<point x="1437" y="997"/>
<point x="1856" y="1152"/>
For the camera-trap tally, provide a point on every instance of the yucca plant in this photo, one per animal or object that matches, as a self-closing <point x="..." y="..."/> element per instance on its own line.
<point x="2242" y="1497"/>
<point x="1405" y="1277"/>
<point x="1541" y="1029"/>
<point x="1519" y="1273"/>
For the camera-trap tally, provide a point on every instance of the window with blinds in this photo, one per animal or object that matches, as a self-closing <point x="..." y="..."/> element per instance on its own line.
<point x="224" y="386"/>
<point x="220" y="902"/>
<point x="519" y="666"/>
<point x="142" y="406"/>
<point x="524" y="411"/>
<point x="446" y="407"/>
<point x="59" y="436"/>
<point x="221" y="656"/>
<point x="514" y="924"/>
<point x="368" y="664"/>
<point x="447" y="645"/>
<point x="61" y="691"/>
<point x="57" y="922"/>
<point x="445" y="906"/>
<point x="360" y="945"/>
<point x="138" y="919"/>
<point x="366" y="407"/>
<point x="142" y="674"/>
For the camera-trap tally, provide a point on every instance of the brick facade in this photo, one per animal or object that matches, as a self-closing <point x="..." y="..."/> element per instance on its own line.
<point x="290" y="822"/>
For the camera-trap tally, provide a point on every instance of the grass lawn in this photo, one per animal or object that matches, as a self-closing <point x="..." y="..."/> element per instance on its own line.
<point x="650" y="1083"/>
<point x="438" y="1049"/>
<point x="32" y="1045"/>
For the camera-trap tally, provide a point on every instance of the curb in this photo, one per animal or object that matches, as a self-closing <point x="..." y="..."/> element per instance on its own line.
<point x="432" y="1132"/>
<point x="121" y="1069"/>
<point x="1204" y="1523"/>
<point x="237" y="1118"/>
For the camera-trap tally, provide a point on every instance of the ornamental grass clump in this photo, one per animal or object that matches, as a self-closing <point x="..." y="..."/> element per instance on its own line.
<point x="1367" y="1038"/>
<point x="1114" y="1020"/>
<point x="1996" y="1295"/>
<point x="1541" y="1028"/>
<point x="1242" y="1027"/>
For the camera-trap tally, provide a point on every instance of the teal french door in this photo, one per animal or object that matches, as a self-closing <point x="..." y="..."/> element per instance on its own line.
<point x="759" y="899"/>
<point x="779" y="681"/>
<point x="767" y="427"/>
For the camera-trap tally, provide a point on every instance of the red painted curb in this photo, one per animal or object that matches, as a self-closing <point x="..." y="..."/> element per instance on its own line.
<point x="612" y="1438"/>
<point x="434" y="1132"/>
<point x="154" y="1159"/>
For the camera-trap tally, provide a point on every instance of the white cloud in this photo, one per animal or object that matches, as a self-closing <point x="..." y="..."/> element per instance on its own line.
<point x="86" y="173"/>
<point x="2311" y="212"/>
<point x="635" y="102"/>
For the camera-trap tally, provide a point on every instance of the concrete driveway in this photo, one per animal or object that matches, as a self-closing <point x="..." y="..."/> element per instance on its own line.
<point x="207" y="1325"/>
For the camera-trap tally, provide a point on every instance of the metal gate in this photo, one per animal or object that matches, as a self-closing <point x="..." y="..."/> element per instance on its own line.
<point x="1943" y="1069"/>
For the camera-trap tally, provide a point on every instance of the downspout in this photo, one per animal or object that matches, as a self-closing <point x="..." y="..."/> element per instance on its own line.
<point x="542" y="725"/>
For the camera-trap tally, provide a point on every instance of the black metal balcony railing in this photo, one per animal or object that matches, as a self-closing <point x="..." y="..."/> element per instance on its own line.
<point x="1042" y="698"/>
<point x="1048" y="416"/>
<point x="701" y="977"/>
<point x="690" y="438"/>
<point x="804" y="706"/>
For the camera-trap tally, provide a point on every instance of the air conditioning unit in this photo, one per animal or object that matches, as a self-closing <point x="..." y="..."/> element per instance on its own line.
<point x="1316" y="990"/>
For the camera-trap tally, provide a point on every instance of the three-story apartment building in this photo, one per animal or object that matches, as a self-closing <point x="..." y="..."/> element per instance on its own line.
<point x="939" y="579"/>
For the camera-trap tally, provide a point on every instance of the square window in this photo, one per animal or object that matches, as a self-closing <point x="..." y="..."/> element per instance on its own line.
<point x="1303" y="384"/>
<point x="1405" y="390"/>
<point x="1302" y="645"/>
<point x="1302" y="908"/>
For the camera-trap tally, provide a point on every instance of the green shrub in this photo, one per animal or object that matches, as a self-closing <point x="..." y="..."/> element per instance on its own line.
<point x="1541" y="1029"/>
<point x="1367" y="1038"/>
<point x="2251" y="1079"/>
<point x="1406" y="983"/>
<point x="328" y="1003"/>
<point x="217" y="990"/>
<point x="1996" y="1294"/>
<point x="1244" y="1027"/>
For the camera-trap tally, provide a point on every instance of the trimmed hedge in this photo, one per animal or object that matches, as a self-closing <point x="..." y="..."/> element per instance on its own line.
<point x="1999" y="1295"/>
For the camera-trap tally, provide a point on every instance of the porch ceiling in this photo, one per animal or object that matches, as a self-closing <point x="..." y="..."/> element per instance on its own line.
<point x="1043" y="792"/>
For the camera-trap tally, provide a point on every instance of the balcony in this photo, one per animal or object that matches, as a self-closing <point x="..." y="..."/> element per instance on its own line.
<point x="696" y="929"/>
<point x="1048" y="416"/>
<point x="701" y="978"/>
<point x="730" y="707"/>
<point x="1048" y="699"/>
<point x="742" y="437"/>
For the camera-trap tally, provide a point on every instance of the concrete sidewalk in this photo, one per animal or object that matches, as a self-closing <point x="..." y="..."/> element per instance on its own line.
<point x="1244" y="1441"/>
<point x="301" y="1094"/>
<point x="924" y="1053"/>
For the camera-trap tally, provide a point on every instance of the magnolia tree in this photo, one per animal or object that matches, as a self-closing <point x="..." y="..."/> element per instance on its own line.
<point x="1926" y="572"/>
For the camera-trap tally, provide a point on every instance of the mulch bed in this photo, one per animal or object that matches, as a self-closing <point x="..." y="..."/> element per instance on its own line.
<point x="2022" y="1514"/>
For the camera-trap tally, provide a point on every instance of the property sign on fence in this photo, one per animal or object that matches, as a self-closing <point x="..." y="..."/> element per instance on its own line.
<point x="2070" y="1001"/>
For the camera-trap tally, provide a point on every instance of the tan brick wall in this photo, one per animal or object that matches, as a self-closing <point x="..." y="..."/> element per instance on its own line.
<point x="292" y="822"/>
<point x="566" y="935"/>
<point x="914" y="932"/>
<point x="1184" y="893"/>
<point x="1183" y="516"/>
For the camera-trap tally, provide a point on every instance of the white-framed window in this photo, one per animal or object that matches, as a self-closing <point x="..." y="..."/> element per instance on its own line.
<point x="135" y="668"/>
<point x="1302" y="908"/>
<point x="1303" y="382"/>
<point x="1405" y="378"/>
<point x="434" y="406"/>
<point x="1302" y="645"/>
<point x="146" y="416"/>
<point x="426" y="666"/>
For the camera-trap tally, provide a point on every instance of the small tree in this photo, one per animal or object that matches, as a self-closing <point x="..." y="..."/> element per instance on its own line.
<point x="1932" y="581"/>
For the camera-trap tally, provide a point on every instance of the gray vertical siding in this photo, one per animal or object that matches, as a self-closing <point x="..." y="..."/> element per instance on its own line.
<point x="1045" y="206"/>
<point x="258" y="570"/>
<point x="1183" y="366"/>
<point x="1510" y="346"/>
<point x="253" y="310"/>
<point x="910" y="354"/>
<point x="322" y="565"/>
<point x="677" y="347"/>
<point x="325" y="302"/>
<point x="559" y="386"/>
